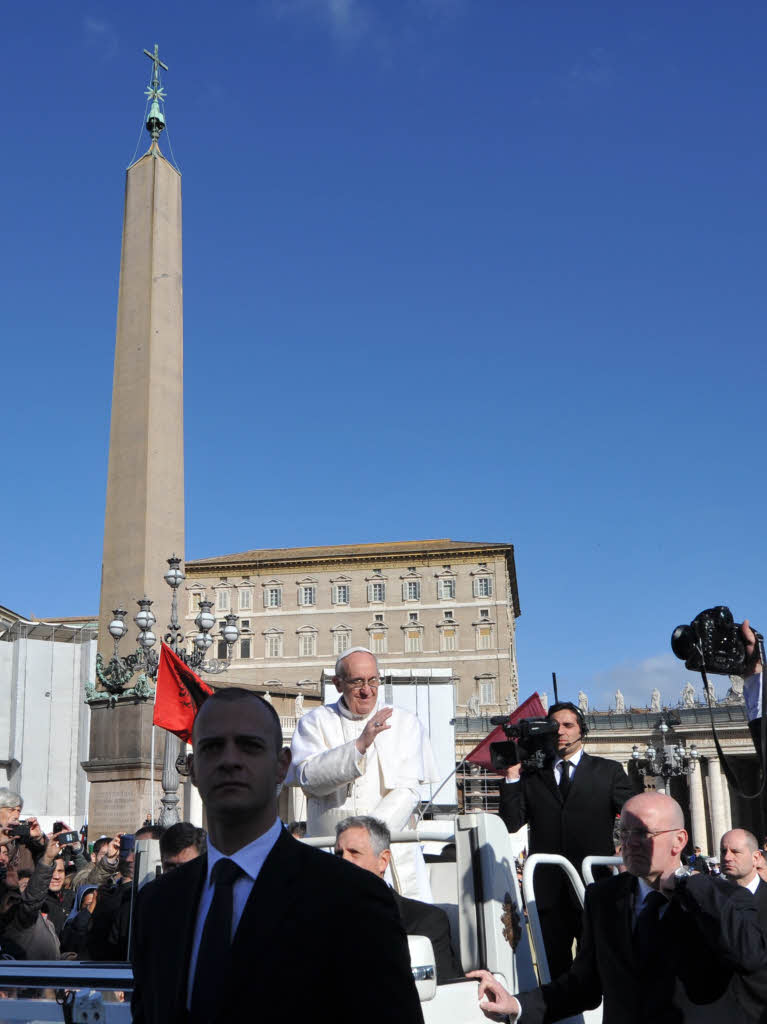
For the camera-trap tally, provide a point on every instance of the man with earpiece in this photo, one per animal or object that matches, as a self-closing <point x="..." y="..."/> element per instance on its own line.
<point x="570" y="806"/>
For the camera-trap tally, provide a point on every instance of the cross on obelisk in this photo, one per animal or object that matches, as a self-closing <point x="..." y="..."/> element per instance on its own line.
<point x="155" y="58"/>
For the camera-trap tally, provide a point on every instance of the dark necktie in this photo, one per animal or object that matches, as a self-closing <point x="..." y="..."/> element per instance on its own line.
<point x="646" y="943"/>
<point x="213" y="957"/>
<point x="564" y="779"/>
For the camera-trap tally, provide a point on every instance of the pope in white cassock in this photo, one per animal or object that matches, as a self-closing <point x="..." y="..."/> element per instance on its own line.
<point x="360" y="757"/>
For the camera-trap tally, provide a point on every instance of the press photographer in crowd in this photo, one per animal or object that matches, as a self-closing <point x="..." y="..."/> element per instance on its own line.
<point x="570" y="802"/>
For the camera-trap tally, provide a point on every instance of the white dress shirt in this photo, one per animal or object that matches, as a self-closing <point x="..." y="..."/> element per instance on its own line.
<point x="250" y="859"/>
<point x="574" y="762"/>
<point x="753" y="885"/>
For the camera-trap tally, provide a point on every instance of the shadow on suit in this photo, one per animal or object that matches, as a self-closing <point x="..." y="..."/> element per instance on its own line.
<point x="317" y="937"/>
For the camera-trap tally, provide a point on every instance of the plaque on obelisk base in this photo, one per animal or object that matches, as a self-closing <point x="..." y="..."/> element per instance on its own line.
<point x="144" y="522"/>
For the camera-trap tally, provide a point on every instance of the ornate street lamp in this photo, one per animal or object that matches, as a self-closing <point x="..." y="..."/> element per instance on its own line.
<point x="115" y="676"/>
<point x="668" y="760"/>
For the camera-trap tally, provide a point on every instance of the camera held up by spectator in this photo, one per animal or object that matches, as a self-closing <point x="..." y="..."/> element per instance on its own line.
<point x="712" y="642"/>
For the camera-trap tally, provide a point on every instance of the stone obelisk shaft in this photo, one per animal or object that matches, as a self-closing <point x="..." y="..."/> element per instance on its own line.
<point x="144" y="522"/>
<point x="145" y="489"/>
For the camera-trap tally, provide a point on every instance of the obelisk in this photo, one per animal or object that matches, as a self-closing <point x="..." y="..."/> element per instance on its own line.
<point x="144" y="523"/>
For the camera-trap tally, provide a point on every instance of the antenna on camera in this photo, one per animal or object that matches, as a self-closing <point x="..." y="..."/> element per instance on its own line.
<point x="556" y="692"/>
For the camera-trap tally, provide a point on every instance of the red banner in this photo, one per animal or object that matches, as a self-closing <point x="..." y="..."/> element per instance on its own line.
<point x="531" y="708"/>
<point x="179" y="696"/>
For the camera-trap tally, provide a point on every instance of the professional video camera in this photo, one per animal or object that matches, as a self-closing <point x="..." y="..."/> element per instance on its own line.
<point x="712" y="642"/>
<point x="531" y="742"/>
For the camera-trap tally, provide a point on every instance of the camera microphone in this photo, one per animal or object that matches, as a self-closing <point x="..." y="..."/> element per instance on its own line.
<point x="499" y="719"/>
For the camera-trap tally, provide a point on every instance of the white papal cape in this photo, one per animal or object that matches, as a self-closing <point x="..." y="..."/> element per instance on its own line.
<point x="383" y="782"/>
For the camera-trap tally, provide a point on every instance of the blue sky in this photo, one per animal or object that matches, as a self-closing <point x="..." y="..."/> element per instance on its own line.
<point x="453" y="268"/>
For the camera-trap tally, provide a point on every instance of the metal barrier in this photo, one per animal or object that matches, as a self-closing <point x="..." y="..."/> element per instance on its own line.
<point x="591" y="862"/>
<point x="91" y="981"/>
<point x="534" y="921"/>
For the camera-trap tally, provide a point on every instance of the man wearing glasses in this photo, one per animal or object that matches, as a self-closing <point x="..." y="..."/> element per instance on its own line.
<point x="357" y="756"/>
<point x="659" y="944"/>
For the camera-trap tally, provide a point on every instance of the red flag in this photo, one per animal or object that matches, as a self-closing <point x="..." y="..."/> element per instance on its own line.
<point x="179" y="695"/>
<point x="531" y="708"/>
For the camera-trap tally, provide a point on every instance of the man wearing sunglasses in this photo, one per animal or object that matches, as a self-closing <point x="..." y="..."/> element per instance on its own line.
<point x="358" y="756"/>
<point x="659" y="944"/>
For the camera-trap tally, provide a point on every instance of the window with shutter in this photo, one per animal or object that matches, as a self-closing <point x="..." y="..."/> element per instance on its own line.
<point x="378" y="640"/>
<point x="274" y="646"/>
<point x="307" y="645"/>
<point x="485" y="638"/>
<point x="244" y="648"/>
<point x="487" y="691"/>
<point x="341" y="593"/>
<point x="342" y="641"/>
<point x="446" y="589"/>
<point x="411" y="590"/>
<point x="412" y="640"/>
<point x="246" y="600"/>
<point x="222" y="600"/>
<point x="448" y="639"/>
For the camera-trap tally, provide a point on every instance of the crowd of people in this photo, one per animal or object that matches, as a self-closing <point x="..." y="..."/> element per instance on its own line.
<point x="60" y="900"/>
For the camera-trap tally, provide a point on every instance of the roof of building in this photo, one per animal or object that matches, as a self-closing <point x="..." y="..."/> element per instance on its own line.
<point x="392" y="551"/>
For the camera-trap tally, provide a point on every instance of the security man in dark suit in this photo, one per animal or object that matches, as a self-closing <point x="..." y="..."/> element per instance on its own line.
<point x="659" y="944"/>
<point x="366" y="842"/>
<point x="740" y="859"/>
<point x="262" y="925"/>
<point x="570" y="807"/>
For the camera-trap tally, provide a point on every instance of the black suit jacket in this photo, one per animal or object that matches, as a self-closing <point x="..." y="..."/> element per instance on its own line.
<point x="751" y="989"/>
<point x="709" y="937"/>
<point x="576" y="827"/>
<point x="425" y="919"/>
<point x="318" y="937"/>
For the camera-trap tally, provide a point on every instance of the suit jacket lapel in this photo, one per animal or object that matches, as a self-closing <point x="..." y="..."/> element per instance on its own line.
<point x="547" y="777"/>
<point x="269" y="903"/>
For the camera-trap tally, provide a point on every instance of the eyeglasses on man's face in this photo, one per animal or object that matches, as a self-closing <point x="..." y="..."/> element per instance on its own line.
<point x="359" y="684"/>
<point x="626" y="835"/>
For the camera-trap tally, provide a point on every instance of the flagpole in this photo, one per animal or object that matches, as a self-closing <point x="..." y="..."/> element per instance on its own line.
<point x="151" y="755"/>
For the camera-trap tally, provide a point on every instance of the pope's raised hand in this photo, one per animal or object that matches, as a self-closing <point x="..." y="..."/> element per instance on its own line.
<point x="378" y="723"/>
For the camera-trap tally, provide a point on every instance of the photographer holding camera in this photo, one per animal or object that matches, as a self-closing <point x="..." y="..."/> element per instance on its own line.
<point x="25" y="839"/>
<point x="570" y="804"/>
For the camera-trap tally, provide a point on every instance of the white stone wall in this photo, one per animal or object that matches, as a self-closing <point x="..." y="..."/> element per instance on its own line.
<point x="44" y="721"/>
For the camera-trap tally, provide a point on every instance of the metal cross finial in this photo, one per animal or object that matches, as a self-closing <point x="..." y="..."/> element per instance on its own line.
<point x="155" y="122"/>
<point x="155" y="58"/>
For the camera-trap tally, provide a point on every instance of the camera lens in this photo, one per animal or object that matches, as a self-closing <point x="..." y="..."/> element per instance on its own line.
<point x="682" y="641"/>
